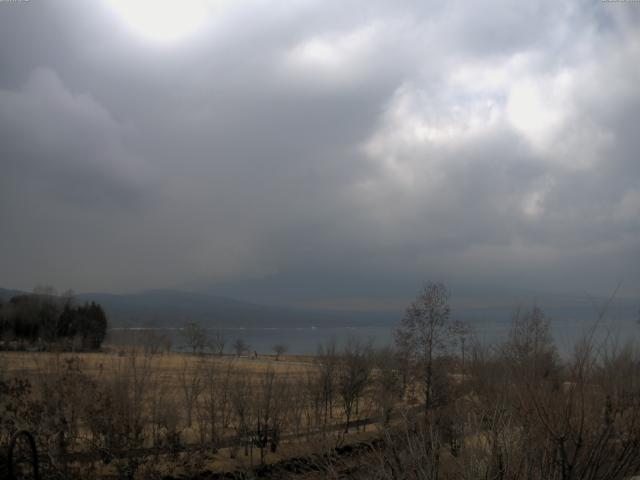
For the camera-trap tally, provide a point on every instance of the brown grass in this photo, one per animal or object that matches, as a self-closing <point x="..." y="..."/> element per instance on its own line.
<point x="29" y="364"/>
<point x="169" y="369"/>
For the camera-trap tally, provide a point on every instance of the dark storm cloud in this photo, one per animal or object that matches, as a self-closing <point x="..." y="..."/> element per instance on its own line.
<point x="65" y="144"/>
<point x="316" y="152"/>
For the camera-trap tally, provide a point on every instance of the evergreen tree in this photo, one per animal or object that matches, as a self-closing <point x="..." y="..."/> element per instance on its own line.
<point x="51" y="318"/>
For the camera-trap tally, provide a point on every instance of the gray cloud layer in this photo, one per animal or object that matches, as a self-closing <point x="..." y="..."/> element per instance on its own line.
<point x="325" y="153"/>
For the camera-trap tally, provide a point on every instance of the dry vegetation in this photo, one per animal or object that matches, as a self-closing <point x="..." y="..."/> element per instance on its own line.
<point x="440" y="406"/>
<point x="139" y="413"/>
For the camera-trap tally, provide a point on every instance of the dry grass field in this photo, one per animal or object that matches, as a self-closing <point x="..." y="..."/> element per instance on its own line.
<point x="516" y="410"/>
<point x="183" y="413"/>
<point x="167" y="365"/>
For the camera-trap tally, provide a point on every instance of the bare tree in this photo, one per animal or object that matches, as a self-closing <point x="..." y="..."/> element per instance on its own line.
<point x="387" y="382"/>
<point x="191" y="384"/>
<point x="215" y="409"/>
<point x="279" y="349"/>
<point x="530" y="348"/>
<point x="269" y="407"/>
<point x="122" y="411"/>
<point x="354" y="377"/>
<point x="424" y="334"/>
<point x="240" y="347"/>
<point x="217" y="342"/>
<point x="328" y="362"/>
<point x="298" y="404"/>
<point x="313" y="397"/>
<point x="153" y="342"/>
<point x="194" y="336"/>
<point x="461" y="332"/>
<point x="243" y="412"/>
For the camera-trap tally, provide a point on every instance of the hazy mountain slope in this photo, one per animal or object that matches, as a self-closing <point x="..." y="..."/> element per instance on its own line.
<point x="169" y="308"/>
<point x="173" y="308"/>
<point x="6" y="294"/>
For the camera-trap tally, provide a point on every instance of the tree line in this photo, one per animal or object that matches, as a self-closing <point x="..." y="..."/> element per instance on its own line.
<point x="45" y="319"/>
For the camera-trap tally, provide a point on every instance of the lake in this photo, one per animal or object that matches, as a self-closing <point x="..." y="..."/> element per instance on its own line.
<point x="305" y="341"/>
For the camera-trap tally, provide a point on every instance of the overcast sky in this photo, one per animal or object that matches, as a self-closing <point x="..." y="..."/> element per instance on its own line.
<point x="318" y="152"/>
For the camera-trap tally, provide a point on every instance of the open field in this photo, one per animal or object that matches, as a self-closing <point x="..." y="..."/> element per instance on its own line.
<point x="109" y="362"/>
<point x="234" y="412"/>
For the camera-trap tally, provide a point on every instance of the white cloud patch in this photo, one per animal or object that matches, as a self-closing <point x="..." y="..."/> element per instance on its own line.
<point x="533" y="202"/>
<point x="337" y="58"/>
<point x="538" y="107"/>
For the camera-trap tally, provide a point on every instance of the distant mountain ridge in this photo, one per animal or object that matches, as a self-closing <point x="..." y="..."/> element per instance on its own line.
<point x="6" y="294"/>
<point x="170" y="308"/>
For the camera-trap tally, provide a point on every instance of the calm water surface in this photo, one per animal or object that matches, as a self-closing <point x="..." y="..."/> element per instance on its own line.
<point x="305" y="341"/>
